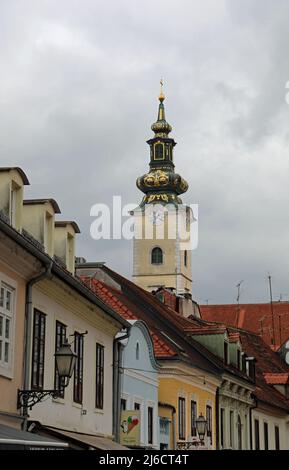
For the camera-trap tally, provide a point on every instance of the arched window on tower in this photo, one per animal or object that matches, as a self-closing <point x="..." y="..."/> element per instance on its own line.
<point x="159" y="152"/>
<point x="157" y="255"/>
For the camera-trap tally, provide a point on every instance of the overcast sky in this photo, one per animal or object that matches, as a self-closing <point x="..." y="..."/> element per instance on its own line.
<point x="78" y="93"/>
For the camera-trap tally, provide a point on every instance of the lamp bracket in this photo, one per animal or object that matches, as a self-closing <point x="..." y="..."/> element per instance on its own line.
<point x="29" y="398"/>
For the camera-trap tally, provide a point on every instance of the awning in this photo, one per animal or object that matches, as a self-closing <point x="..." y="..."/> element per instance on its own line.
<point x="11" y="438"/>
<point x="90" y="440"/>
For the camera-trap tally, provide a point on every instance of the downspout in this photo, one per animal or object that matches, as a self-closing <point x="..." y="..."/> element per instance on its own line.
<point x="29" y="326"/>
<point x="217" y="417"/>
<point x="117" y="364"/>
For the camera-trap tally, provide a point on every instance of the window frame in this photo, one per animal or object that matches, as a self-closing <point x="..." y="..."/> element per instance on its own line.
<point x="209" y="417"/>
<point x="266" y="435"/>
<point x="59" y="383"/>
<point x="182" y="418"/>
<point x="194" y="416"/>
<point x="99" y="379"/>
<point x="277" y="437"/>
<point x="38" y="348"/>
<point x="159" y="144"/>
<point x="257" y="434"/>
<point x="78" y="368"/>
<point x="160" y="255"/>
<point x="150" y="414"/>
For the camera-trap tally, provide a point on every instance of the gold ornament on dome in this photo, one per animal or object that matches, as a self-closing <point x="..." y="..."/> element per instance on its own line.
<point x="156" y="178"/>
<point x="157" y="197"/>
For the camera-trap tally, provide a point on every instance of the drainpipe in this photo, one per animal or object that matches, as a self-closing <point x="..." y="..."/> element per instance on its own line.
<point x="117" y="364"/>
<point x="28" y="328"/>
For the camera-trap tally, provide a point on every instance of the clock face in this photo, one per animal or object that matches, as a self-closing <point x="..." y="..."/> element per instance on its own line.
<point x="157" y="217"/>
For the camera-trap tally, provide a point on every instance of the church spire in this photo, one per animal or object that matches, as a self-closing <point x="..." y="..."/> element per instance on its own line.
<point x="161" y="127"/>
<point x="161" y="184"/>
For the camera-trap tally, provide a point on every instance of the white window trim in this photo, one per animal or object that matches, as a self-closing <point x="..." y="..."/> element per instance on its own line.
<point x="154" y="405"/>
<point x="8" y="370"/>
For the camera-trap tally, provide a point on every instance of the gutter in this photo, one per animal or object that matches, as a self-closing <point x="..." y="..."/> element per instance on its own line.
<point x="117" y="385"/>
<point x="67" y="277"/>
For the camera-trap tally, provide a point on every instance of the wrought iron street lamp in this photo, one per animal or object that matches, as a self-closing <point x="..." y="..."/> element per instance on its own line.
<point x="201" y="425"/>
<point x="65" y="360"/>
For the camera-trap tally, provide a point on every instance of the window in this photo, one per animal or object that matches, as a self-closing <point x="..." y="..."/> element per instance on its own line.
<point x="231" y="429"/>
<point x="244" y="356"/>
<point x="239" y="359"/>
<point x="38" y="350"/>
<point x="60" y="338"/>
<point x="239" y="426"/>
<point x="185" y="257"/>
<point x="277" y="438"/>
<point x="209" y="423"/>
<point x="222" y="427"/>
<point x="226" y="353"/>
<point x="182" y="418"/>
<point x="159" y="151"/>
<point x="99" y="376"/>
<point x="137" y="406"/>
<point x="157" y="255"/>
<point x="251" y="368"/>
<point x="266" y="436"/>
<point x="150" y="424"/>
<point x="137" y="351"/>
<point x="193" y="418"/>
<point x="6" y="319"/>
<point x="78" y="368"/>
<point x="123" y="404"/>
<point x="257" y="434"/>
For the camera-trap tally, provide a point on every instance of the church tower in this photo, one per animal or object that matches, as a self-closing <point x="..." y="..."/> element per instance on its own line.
<point x="161" y="254"/>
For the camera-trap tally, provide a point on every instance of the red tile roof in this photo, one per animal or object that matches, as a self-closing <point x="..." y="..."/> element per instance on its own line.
<point x="267" y="363"/>
<point x="109" y="296"/>
<point x="253" y="317"/>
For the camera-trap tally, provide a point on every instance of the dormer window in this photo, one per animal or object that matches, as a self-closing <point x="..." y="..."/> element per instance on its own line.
<point x="226" y="352"/>
<point x="250" y="367"/>
<point x="239" y="362"/>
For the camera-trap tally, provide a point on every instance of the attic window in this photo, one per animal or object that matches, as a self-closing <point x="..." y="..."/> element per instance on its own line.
<point x="226" y="353"/>
<point x="239" y="364"/>
<point x="250" y="367"/>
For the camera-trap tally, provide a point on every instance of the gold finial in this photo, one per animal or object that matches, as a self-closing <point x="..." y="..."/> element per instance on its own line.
<point x="161" y="95"/>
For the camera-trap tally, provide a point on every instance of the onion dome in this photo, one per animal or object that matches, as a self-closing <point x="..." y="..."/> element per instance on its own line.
<point x="161" y="184"/>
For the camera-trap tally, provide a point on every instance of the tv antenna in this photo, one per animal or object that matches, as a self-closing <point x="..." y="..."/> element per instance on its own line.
<point x="239" y="291"/>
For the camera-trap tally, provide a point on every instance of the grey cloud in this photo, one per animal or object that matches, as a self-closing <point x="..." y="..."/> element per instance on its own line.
<point x="78" y="88"/>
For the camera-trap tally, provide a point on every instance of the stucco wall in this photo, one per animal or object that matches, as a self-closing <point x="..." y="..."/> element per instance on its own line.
<point x="65" y="413"/>
<point x="273" y="420"/>
<point x="171" y="388"/>
<point x="11" y="378"/>
<point x="140" y="381"/>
